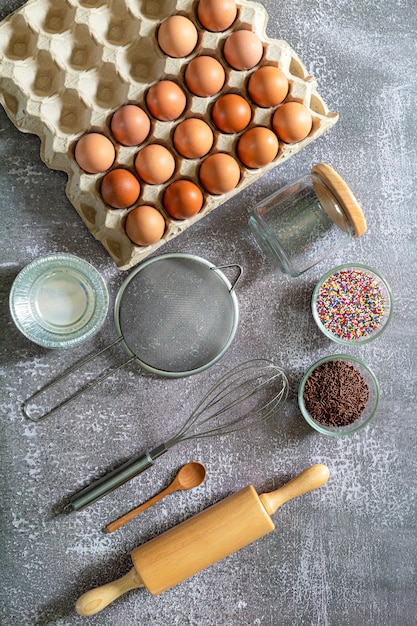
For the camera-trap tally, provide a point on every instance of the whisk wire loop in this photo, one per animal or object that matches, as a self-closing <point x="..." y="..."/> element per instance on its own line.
<point x="248" y="380"/>
<point x="238" y="424"/>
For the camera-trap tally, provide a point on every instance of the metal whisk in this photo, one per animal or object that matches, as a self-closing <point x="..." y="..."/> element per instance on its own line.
<point x="255" y="388"/>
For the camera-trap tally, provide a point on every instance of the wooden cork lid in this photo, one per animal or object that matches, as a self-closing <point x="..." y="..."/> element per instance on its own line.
<point x="344" y="196"/>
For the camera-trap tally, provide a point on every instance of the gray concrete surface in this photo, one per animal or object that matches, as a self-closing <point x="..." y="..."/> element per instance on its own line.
<point x="342" y="556"/>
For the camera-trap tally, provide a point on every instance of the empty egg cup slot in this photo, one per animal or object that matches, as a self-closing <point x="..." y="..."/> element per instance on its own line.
<point x="77" y="50"/>
<point x="10" y="103"/>
<point x="317" y="105"/>
<point x="297" y="69"/>
<point x="69" y="114"/>
<point x="18" y="39"/>
<point x="89" y="214"/>
<point x="115" y="25"/>
<point x="38" y="75"/>
<point x="103" y="87"/>
<point x="115" y="243"/>
<point x="143" y="66"/>
<point x="52" y="16"/>
<point x="49" y="78"/>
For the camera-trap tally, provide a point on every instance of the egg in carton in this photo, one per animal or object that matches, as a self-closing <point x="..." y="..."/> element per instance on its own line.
<point x="66" y="66"/>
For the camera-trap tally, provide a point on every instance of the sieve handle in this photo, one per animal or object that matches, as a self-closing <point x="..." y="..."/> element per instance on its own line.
<point x="30" y="408"/>
<point x="239" y="272"/>
<point x="114" y="479"/>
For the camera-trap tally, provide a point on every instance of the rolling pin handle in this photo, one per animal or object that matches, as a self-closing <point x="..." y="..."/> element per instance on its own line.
<point x="310" y="479"/>
<point x="97" y="599"/>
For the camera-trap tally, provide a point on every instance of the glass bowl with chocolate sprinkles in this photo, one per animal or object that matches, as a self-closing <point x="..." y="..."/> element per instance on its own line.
<point x="352" y="304"/>
<point x="338" y="395"/>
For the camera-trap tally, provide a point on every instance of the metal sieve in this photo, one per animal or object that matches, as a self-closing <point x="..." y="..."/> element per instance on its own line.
<point x="175" y="315"/>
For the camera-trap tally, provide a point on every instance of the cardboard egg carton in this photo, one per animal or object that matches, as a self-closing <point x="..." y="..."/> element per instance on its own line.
<point x="67" y="65"/>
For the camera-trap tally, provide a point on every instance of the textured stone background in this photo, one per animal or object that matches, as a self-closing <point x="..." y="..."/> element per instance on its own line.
<point x="342" y="556"/>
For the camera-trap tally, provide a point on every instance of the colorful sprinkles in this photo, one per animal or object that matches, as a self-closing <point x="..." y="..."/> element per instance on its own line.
<point x="351" y="304"/>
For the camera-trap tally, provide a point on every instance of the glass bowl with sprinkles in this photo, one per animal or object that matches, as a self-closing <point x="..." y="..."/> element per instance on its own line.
<point x="338" y="395"/>
<point x="352" y="304"/>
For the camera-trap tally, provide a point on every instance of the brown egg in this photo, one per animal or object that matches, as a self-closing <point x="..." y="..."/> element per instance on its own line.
<point x="292" y="122"/>
<point x="217" y="15"/>
<point x="130" y="125"/>
<point x="166" y="100"/>
<point x="257" y="147"/>
<point x="243" y="50"/>
<point x="268" y="86"/>
<point x="193" y="138"/>
<point x="144" y="225"/>
<point x="177" y="36"/>
<point x="183" y="199"/>
<point x="231" y="113"/>
<point x="94" y="153"/>
<point x="204" y="76"/>
<point x="154" y="164"/>
<point x="120" y="188"/>
<point x="219" y="173"/>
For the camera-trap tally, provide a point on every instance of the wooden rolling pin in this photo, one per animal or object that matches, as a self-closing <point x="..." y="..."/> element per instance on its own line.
<point x="200" y="541"/>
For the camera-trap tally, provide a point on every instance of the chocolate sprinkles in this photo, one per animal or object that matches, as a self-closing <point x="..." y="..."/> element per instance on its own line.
<point x="335" y="393"/>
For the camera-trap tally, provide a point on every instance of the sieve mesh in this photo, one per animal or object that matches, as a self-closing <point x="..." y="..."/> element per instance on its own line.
<point x="176" y="314"/>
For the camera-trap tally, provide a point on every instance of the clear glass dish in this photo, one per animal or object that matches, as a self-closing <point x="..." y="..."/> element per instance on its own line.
<point x="352" y="304"/>
<point x="307" y="220"/>
<point x="371" y="406"/>
<point x="58" y="301"/>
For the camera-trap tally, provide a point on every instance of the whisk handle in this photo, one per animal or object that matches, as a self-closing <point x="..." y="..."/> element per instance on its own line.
<point x="311" y="478"/>
<point x="114" y="479"/>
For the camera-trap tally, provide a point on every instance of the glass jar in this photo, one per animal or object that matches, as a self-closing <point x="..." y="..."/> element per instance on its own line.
<point x="305" y="221"/>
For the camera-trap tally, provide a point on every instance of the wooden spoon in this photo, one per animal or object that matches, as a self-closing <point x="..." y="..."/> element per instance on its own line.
<point x="190" y="475"/>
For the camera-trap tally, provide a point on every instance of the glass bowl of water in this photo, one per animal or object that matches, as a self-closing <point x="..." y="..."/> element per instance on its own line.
<point x="58" y="301"/>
